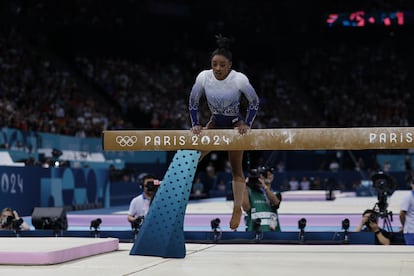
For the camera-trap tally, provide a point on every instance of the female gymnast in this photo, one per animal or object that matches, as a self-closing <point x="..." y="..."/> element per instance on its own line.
<point x="223" y="88"/>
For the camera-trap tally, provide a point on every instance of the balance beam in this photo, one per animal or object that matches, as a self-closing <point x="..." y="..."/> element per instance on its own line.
<point x="260" y="139"/>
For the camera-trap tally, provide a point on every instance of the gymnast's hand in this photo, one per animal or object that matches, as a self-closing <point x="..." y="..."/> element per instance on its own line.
<point x="243" y="128"/>
<point x="196" y="129"/>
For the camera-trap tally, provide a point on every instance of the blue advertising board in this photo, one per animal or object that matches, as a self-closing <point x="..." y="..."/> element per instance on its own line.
<point x="23" y="188"/>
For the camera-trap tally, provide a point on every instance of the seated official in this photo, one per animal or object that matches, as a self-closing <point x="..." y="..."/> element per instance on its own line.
<point x="10" y="220"/>
<point x="260" y="202"/>
<point x="369" y="223"/>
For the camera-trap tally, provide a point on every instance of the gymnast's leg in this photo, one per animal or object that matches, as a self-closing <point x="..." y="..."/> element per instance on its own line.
<point x="236" y="161"/>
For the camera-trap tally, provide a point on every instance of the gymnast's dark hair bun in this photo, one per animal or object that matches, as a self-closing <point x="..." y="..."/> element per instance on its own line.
<point x="223" y="42"/>
<point x="223" y="45"/>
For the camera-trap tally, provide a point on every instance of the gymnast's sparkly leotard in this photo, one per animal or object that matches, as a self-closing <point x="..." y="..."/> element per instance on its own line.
<point x="223" y="98"/>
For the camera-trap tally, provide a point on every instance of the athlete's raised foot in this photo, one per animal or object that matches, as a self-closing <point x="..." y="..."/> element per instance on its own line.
<point x="235" y="218"/>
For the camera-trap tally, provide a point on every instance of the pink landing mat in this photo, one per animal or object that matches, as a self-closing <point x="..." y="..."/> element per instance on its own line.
<point x="54" y="250"/>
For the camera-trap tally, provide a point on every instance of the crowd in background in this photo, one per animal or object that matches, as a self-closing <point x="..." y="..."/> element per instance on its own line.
<point x="340" y="87"/>
<point x="38" y="94"/>
<point x="354" y="87"/>
<point x="99" y="66"/>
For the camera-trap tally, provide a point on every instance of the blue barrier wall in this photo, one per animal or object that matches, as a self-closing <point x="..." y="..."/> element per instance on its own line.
<point x="20" y="188"/>
<point x="23" y="188"/>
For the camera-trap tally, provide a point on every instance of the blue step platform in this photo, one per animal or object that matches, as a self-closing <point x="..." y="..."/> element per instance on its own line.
<point x="162" y="232"/>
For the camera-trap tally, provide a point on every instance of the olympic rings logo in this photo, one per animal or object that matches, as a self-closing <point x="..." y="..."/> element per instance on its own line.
<point x="126" y="141"/>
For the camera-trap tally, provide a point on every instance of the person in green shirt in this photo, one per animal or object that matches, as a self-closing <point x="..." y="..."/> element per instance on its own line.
<point x="260" y="202"/>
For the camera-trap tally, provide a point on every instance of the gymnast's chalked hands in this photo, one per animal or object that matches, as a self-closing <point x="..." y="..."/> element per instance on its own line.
<point x="196" y="129"/>
<point x="243" y="128"/>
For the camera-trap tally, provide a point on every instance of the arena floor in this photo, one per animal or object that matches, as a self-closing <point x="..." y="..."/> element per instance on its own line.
<point x="249" y="259"/>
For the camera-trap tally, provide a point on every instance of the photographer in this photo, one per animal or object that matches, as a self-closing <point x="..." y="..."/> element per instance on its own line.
<point x="10" y="220"/>
<point x="260" y="202"/>
<point x="369" y="223"/>
<point x="139" y="206"/>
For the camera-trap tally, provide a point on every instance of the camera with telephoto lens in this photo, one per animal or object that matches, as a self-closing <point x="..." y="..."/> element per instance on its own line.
<point x="7" y="221"/>
<point x="385" y="186"/>
<point x="12" y="223"/>
<point x="373" y="217"/>
<point x="152" y="186"/>
<point x="253" y="181"/>
<point x="383" y="183"/>
<point x="254" y="176"/>
<point x="16" y="223"/>
<point x="137" y="223"/>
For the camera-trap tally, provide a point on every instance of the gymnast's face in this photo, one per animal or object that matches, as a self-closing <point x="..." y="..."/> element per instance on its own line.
<point x="221" y="66"/>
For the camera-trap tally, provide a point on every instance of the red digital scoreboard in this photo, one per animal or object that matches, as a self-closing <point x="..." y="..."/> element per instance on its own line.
<point x="363" y="18"/>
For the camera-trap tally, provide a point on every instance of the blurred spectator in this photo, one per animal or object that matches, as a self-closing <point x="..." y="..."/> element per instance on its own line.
<point x="293" y="183"/>
<point x="198" y="188"/>
<point x="386" y="167"/>
<point x="334" y="166"/>
<point x="304" y="183"/>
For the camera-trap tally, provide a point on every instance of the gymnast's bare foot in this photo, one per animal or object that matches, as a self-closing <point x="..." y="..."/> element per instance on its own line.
<point x="235" y="218"/>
